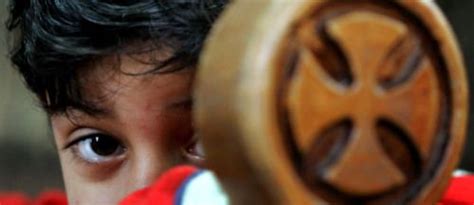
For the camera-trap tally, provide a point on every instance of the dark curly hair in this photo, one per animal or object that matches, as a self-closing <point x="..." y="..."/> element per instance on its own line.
<point x="54" y="39"/>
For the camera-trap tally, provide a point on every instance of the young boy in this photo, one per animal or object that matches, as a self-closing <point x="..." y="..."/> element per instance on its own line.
<point x="115" y="78"/>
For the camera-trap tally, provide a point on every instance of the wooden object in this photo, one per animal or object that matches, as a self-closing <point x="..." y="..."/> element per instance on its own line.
<point x="339" y="102"/>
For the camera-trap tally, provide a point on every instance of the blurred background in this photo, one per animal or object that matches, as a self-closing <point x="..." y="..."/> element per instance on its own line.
<point x="28" y="162"/>
<point x="460" y="14"/>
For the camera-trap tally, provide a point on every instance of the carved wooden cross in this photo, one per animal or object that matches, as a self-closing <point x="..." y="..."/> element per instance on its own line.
<point x="335" y="102"/>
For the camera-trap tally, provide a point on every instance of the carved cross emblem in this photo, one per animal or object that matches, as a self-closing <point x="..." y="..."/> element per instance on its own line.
<point x="376" y="47"/>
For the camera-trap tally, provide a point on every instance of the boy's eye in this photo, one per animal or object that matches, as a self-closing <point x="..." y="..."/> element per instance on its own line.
<point x="194" y="151"/>
<point x="98" y="148"/>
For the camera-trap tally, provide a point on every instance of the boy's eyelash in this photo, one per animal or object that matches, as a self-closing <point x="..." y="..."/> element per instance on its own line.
<point x="74" y="151"/>
<point x="186" y="103"/>
<point x="75" y="141"/>
<point x="79" y="139"/>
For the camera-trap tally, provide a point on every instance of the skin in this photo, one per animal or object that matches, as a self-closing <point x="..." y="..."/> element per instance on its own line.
<point x="149" y="115"/>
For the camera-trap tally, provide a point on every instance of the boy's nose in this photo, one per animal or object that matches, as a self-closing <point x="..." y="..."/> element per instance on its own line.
<point x="148" y="164"/>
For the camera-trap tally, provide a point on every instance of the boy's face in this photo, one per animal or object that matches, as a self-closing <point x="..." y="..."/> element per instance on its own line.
<point x="145" y="128"/>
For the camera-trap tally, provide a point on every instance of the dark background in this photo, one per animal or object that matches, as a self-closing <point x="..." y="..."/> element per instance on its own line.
<point x="28" y="162"/>
<point x="460" y="14"/>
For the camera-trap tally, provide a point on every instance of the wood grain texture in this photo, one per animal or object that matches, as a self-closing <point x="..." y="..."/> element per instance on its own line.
<point x="340" y="102"/>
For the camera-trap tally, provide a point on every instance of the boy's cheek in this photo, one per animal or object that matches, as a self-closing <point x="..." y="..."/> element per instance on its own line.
<point x="83" y="193"/>
<point x="92" y="188"/>
<point x="79" y="170"/>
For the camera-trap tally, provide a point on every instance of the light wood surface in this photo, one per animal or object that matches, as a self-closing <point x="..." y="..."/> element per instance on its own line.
<point x="332" y="102"/>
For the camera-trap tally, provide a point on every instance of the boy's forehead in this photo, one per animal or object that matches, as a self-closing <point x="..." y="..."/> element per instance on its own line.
<point x="138" y="60"/>
<point x="123" y="77"/>
<point x="118" y="70"/>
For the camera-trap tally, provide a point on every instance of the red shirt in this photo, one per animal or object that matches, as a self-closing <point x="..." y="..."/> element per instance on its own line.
<point x="459" y="192"/>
